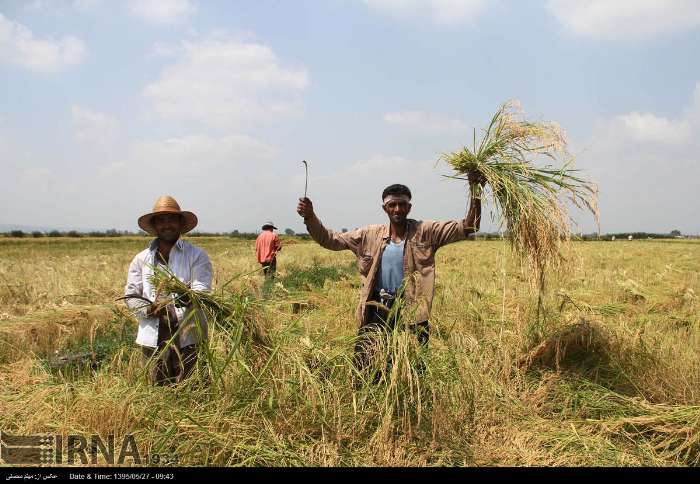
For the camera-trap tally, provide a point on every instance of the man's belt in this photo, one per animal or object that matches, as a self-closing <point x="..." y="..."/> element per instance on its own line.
<point x="384" y="297"/>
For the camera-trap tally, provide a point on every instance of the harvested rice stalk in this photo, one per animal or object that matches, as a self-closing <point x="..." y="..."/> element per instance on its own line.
<point x="531" y="199"/>
<point x="223" y="310"/>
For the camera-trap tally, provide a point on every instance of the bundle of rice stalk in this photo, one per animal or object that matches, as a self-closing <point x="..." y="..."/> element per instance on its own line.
<point x="673" y="431"/>
<point x="223" y="310"/>
<point x="531" y="199"/>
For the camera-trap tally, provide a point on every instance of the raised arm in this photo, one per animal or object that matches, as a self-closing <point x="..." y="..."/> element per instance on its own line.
<point x="472" y="222"/>
<point x="327" y="238"/>
<point x="453" y="231"/>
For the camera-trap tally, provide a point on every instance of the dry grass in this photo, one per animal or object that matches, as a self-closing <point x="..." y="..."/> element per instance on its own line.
<point x="617" y="382"/>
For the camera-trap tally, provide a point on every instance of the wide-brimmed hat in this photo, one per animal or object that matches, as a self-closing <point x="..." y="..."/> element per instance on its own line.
<point x="269" y="224"/>
<point x="167" y="204"/>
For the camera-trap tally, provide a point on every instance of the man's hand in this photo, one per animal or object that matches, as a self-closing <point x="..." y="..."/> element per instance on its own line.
<point x="305" y="208"/>
<point x="476" y="177"/>
<point x="157" y="309"/>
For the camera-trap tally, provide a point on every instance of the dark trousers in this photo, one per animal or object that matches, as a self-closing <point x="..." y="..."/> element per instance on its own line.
<point x="269" y="268"/>
<point x="172" y="364"/>
<point x="377" y="325"/>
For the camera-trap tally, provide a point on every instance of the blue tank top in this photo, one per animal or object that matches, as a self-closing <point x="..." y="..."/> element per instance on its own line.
<point x="391" y="271"/>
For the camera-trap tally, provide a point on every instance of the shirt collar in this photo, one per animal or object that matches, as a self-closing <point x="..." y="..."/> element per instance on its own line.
<point x="386" y="230"/>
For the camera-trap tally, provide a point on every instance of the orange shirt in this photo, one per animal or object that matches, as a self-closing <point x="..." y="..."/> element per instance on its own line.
<point x="266" y="246"/>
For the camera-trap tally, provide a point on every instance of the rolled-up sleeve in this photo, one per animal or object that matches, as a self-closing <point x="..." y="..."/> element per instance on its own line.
<point x="443" y="233"/>
<point x="201" y="276"/>
<point x="202" y="272"/>
<point x="331" y="240"/>
<point x="134" y="287"/>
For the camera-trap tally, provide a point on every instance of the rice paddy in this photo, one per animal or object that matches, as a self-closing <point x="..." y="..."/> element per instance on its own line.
<point x="611" y="375"/>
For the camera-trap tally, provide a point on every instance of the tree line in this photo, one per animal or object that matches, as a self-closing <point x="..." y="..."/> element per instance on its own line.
<point x="126" y="233"/>
<point x="674" y="234"/>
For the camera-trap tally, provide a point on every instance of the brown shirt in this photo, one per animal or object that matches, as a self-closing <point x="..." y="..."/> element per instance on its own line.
<point x="423" y="239"/>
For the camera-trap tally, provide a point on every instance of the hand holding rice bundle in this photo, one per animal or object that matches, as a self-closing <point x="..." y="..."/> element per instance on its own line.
<point x="532" y="200"/>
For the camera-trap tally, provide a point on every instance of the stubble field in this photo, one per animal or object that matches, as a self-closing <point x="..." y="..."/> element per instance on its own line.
<point x="610" y="375"/>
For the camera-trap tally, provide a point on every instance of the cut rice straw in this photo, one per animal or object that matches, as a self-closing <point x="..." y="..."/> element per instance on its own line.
<point x="532" y="200"/>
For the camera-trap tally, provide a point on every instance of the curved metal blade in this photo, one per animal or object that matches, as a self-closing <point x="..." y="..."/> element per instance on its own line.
<point x="306" y="181"/>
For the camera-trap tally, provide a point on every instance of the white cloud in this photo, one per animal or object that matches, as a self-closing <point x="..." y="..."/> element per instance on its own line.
<point x="19" y="46"/>
<point x="646" y="127"/>
<point x="441" y="12"/>
<point x="91" y="127"/>
<point x="693" y="114"/>
<point x="193" y="151"/>
<point x="649" y="162"/>
<point x="224" y="81"/>
<point x="423" y="122"/>
<point x="162" y="11"/>
<point x="625" y="19"/>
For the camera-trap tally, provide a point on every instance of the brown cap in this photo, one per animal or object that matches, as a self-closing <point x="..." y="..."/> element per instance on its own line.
<point x="167" y="204"/>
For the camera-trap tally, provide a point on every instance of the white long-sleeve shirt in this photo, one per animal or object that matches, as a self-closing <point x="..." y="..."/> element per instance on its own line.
<point x="191" y="265"/>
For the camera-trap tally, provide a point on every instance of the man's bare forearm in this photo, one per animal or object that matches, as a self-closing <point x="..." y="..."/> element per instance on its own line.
<point x="473" y="220"/>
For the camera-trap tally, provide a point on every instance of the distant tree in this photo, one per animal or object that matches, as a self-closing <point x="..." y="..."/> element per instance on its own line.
<point x="235" y="232"/>
<point x="17" y="233"/>
<point x="343" y="230"/>
<point x="676" y="233"/>
<point x="73" y="233"/>
<point x="37" y="234"/>
<point x="289" y="232"/>
<point x="54" y="233"/>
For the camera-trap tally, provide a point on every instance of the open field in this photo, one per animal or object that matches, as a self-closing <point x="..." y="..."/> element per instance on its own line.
<point x="611" y="376"/>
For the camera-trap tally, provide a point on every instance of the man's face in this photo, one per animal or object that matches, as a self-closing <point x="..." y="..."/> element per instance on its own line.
<point x="168" y="226"/>
<point x="397" y="210"/>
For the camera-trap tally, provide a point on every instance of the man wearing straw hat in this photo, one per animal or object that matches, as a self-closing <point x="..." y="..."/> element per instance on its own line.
<point x="267" y="245"/>
<point x="395" y="261"/>
<point x="167" y="330"/>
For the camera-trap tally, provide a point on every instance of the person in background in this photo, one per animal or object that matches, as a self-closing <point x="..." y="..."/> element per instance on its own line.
<point x="267" y="245"/>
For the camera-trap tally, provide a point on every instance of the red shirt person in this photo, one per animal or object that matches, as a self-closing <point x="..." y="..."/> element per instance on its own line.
<point x="266" y="247"/>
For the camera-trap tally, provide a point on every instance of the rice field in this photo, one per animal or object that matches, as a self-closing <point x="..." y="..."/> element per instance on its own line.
<point x="610" y="376"/>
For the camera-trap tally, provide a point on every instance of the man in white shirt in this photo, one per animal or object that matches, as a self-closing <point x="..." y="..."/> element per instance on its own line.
<point x="172" y="361"/>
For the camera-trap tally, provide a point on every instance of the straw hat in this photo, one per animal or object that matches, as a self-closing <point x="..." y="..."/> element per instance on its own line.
<point x="167" y="204"/>
<point x="269" y="224"/>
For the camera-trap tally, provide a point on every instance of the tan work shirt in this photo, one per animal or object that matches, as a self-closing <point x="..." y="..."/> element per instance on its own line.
<point x="423" y="239"/>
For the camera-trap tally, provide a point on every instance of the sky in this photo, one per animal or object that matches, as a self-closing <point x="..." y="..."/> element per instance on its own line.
<point x="107" y="104"/>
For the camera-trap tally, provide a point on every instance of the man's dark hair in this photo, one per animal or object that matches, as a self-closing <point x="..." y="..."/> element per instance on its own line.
<point x="396" y="189"/>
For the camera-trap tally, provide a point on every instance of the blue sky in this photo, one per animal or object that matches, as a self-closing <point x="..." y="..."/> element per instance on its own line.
<point x="107" y="104"/>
